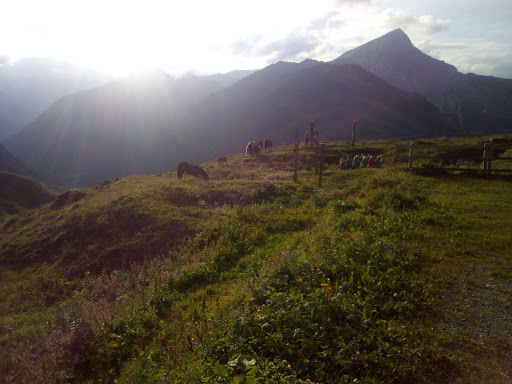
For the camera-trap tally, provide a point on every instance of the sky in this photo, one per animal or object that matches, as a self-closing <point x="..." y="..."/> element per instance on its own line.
<point x="205" y="37"/>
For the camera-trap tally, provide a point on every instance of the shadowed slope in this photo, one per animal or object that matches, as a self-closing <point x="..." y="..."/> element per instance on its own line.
<point x="21" y="192"/>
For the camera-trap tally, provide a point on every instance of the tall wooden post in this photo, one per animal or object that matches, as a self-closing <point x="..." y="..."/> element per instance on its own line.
<point x="296" y="155"/>
<point x="353" y="133"/>
<point x="312" y="133"/>
<point x="485" y="162"/>
<point x="321" y="166"/>
<point x="316" y="159"/>
<point x="410" y="155"/>
<point x="489" y="162"/>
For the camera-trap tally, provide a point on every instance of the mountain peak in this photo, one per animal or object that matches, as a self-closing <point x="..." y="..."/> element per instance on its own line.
<point x="395" y="59"/>
<point x="397" y="33"/>
<point x="396" y="37"/>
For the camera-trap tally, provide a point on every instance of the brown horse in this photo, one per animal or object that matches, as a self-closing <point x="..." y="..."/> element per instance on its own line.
<point x="191" y="169"/>
<point x="223" y="160"/>
<point x="268" y="144"/>
<point x="256" y="149"/>
<point x="249" y="148"/>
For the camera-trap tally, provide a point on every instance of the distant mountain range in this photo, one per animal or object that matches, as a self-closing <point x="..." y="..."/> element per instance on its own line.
<point x="149" y="123"/>
<point x="477" y="104"/>
<point x="31" y="85"/>
<point x="122" y="127"/>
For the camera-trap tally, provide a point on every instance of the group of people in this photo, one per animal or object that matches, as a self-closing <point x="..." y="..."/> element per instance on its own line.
<point x="361" y="161"/>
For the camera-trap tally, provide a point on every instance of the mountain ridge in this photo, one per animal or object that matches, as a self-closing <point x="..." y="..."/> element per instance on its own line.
<point x="470" y="100"/>
<point x="148" y="125"/>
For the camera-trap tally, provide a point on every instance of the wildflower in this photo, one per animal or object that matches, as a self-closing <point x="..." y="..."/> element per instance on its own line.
<point x="284" y="362"/>
<point x="283" y="313"/>
<point x="265" y="325"/>
<point x="269" y="301"/>
<point x="164" y="376"/>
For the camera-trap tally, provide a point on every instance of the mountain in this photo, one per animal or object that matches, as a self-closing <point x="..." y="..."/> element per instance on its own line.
<point x="149" y="123"/>
<point x="124" y="127"/>
<point x="282" y="96"/>
<point x="395" y="59"/>
<point x="9" y="163"/>
<point x="229" y="78"/>
<point x="478" y="104"/>
<point x="19" y="192"/>
<point x="31" y="85"/>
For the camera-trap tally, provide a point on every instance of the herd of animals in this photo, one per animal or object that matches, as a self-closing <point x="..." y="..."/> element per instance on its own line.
<point x="255" y="147"/>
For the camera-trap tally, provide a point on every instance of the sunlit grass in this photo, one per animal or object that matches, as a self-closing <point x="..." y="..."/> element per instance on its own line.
<point x="147" y="278"/>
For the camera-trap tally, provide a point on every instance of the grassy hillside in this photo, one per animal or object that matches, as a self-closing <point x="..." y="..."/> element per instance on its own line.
<point x="380" y="276"/>
<point x="18" y="192"/>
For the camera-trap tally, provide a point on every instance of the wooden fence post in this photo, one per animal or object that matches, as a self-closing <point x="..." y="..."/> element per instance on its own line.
<point x="489" y="162"/>
<point x="353" y="133"/>
<point x="410" y="155"/>
<point x="312" y="133"/>
<point x="295" y="160"/>
<point x="485" y="159"/>
<point x="321" y="166"/>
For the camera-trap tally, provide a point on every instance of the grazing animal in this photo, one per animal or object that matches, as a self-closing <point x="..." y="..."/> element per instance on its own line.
<point x="256" y="149"/>
<point x="268" y="144"/>
<point x="191" y="169"/>
<point x="223" y="160"/>
<point x="249" y="148"/>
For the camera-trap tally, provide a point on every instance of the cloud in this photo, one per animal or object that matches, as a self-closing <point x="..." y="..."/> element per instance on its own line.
<point x="435" y="49"/>
<point x="295" y="46"/>
<point x="4" y="60"/>
<point x="426" y="24"/>
<point x="485" y="64"/>
<point x="355" y="2"/>
<point x="328" y="21"/>
<point x="245" y="46"/>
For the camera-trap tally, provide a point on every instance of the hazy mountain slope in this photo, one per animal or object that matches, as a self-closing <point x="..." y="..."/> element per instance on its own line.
<point x="10" y="163"/>
<point x="17" y="192"/>
<point x="31" y="85"/>
<point x="229" y="78"/>
<point x="479" y="104"/>
<point x="117" y="129"/>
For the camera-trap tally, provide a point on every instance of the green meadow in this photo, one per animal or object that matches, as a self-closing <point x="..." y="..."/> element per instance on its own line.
<point x="382" y="275"/>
